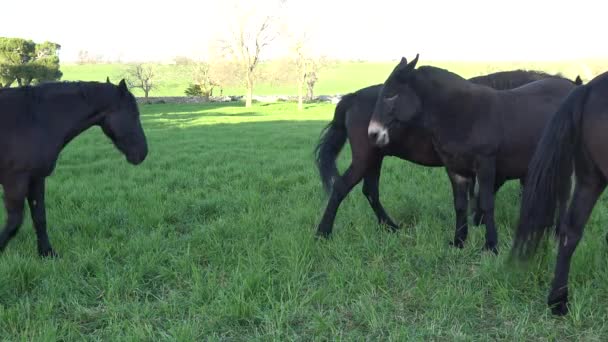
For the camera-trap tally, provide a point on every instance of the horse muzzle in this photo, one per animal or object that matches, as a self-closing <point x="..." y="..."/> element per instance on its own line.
<point x="377" y="134"/>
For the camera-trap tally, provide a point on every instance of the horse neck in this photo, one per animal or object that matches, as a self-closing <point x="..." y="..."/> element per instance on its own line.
<point x="84" y="114"/>
<point x="442" y="89"/>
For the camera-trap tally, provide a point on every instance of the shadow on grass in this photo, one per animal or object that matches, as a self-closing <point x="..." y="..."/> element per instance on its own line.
<point x="184" y="108"/>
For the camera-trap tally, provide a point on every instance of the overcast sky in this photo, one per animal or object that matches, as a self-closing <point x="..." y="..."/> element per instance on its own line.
<point x="372" y="30"/>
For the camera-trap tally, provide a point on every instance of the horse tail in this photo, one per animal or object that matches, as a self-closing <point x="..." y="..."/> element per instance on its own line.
<point x="333" y="138"/>
<point x="548" y="173"/>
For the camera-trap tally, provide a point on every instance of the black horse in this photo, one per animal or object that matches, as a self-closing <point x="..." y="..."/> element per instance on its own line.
<point x="475" y="130"/>
<point x="351" y="120"/>
<point x="37" y="122"/>
<point x="576" y="135"/>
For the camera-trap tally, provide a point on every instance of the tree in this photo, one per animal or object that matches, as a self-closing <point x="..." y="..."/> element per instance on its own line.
<point x="302" y="67"/>
<point x="85" y="57"/>
<point x="24" y="61"/>
<point x="254" y="29"/>
<point x="193" y="90"/>
<point x="141" y="76"/>
<point x="204" y="79"/>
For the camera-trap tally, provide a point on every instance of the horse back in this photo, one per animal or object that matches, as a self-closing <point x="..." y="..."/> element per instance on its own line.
<point x="524" y="112"/>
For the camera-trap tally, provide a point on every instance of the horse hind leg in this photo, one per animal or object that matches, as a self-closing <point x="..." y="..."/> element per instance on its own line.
<point x="342" y="186"/>
<point x="14" y="197"/>
<point x="584" y="198"/>
<point x="371" y="185"/>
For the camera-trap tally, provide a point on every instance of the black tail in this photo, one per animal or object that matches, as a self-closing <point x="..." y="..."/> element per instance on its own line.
<point x="332" y="140"/>
<point x="548" y="173"/>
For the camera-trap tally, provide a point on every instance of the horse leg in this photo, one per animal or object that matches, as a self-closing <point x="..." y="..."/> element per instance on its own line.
<point x="14" y="196"/>
<point x="461" y="201"/>
<point x="342" y="186"/>
<point x="35" y="198"/>
<point x="478" y="217"/>
<point x="371" y="192"/>
<point x="571" y="231"/>
<point x="486" y="176"/>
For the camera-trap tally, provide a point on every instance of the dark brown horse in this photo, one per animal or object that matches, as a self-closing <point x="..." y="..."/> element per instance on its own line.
<point x="351" y="120"/>
<point x="475" y="130"/>
<point x="576" y="135"/>
<point x="37" y="122"/>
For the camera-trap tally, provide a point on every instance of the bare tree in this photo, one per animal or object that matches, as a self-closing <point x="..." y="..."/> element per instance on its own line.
<point x="306" y="67"/>
<point x="203" y="76"/>
<point x="254" y="30"/>
<point x="141" y="76"/>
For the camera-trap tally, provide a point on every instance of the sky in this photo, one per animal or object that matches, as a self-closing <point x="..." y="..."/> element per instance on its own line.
<point x="381" y="30"/>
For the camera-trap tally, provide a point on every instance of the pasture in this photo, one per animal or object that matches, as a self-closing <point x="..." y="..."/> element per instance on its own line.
<point x="213" y="237"/>
<point x="338" y="78"/>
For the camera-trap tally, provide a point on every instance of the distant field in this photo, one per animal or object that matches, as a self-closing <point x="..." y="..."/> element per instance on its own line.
<point x="212" y="239"/>
<point x="343" y="78"/>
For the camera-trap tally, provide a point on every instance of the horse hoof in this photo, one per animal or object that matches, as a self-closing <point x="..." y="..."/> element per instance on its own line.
<point x="49" y="253"/>
<point x="391" y="226"/>
<point x="493" y="249"/>
<point x="457" y="243"/>
<point x="559" y="304"/>
<point x="322" y="235"/>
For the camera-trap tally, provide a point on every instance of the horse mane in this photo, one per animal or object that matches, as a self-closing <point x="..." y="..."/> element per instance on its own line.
<point x="515" y="77"/>
<point x="51" y="88"/>
<point x="432" y="78"/>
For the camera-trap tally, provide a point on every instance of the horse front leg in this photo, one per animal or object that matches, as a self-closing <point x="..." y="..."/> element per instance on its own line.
<point x="371" y="191"/>
<point x="460" y="187"/>
<point x="486" y="176"/>
<point x="35" y="200"/>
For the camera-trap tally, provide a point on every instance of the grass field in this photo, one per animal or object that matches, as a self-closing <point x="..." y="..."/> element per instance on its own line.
<point x="212" y="238"/>
<point x="342" y="78"/>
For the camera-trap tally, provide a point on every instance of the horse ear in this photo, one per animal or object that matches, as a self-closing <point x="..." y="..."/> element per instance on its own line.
<point x="412" y="64"/>
<point x="403" y="61"/>
<point x="578" y="80"/>
<point x="403" y="69"/>
<point x="107" y="79"/>
<point x="122" y="85"/>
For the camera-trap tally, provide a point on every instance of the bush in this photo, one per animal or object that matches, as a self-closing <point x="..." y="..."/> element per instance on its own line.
<point x="194" y="90"/>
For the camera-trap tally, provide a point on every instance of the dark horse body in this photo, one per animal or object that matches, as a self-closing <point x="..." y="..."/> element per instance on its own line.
<point x="475" y="130"/>
<point x="37" y="122"/>
<point x="351" y="120"/>
<point x="575" y="136"/>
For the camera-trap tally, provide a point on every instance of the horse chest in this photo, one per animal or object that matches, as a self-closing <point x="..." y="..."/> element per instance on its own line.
<point x="456" y="159"/>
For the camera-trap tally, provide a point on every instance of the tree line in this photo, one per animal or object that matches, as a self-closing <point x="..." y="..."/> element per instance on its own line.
<point x="235" y="59"/>
<point x="236" y="55"/>
<point x="25" y="62"/>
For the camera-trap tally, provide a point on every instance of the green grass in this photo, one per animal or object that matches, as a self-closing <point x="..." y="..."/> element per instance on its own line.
<point x="212" y="238"/>
<point x="342" y="78"/>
